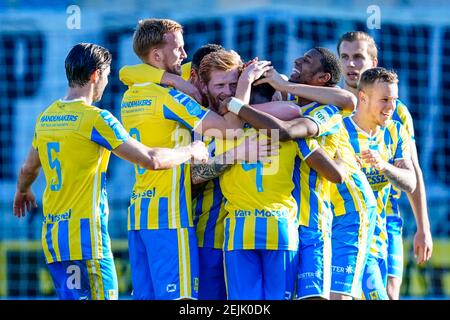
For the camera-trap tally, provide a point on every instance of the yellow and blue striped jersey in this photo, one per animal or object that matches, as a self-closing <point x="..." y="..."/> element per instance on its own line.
<point x="160" y="116"/>
<point x="142" y="73"/>
<point x="209" y="209"/>
<point x="402" y="115"/>
<point x="314" y="197"/>
<point x="392" y="142"/>
<point x="186" y="70"/>
<point x="74" y="141"/>
<point x="261" y="202"/>
<point x="327" y="117"/>
<point x="355" y="193"/>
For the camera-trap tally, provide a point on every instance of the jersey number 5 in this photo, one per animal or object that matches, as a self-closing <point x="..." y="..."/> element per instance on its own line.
<point x="54" y="164"/>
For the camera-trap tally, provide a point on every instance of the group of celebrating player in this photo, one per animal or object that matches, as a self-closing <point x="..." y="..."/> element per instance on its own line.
<point x="292" y="191"/>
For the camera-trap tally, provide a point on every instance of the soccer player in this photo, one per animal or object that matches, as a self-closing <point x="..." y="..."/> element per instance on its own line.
<point x="142" y="73"/>
<point x="384" y="147"/>
<point x="318" y="67"/>
<point x="358" y="52"/>
<point x="352" y="201"/>
<point x="72" y="142"/>
<point x="161" y="204"/>
<point x="220" y="80"/>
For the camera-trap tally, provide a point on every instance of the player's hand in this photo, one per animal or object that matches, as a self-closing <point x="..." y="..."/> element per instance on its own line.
<point x="256" y="149"/>
<point x="199" y="152"/>
<point x="255" y="69"/>
<point x="359" y="161"/>
<point x="273" y="78"/>
<point x="223" y="108"/>
<point x="249" y="62"/>
<point x="373" y="158"/>
<point x="188" y="88"/>
<point x="340" y="162"/>
<point x="22" y="201"/>
<point x="423" y="246"/>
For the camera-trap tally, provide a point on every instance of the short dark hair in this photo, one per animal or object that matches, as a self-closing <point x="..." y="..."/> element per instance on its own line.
<point x="202" y="52"/>
<point x="261" y="93"/>
<point x="330" y="64"/>
<point x="370" y="76"/>
<point x="82" y="60"/>
<point x="359" y="35"/>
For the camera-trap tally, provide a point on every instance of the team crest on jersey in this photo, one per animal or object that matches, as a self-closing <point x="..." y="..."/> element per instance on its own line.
<point x="192" y="107"/>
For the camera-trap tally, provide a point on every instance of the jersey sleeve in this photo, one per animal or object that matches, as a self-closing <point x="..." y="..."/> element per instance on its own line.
<point x="402" y="150"/>
<point x="306" y="147"/>
<point x="107" y="131"/>
<point x="403" y="115"/>
<point x="181" y="108"/>
<point x="34" y="142"/>
<point x="186" y="70"/>
<point x="140" y="73"/>
<point x="327" y="118"/>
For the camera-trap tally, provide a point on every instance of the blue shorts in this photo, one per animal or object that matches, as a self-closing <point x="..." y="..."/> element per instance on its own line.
<point x="260" y="274"/>
<point x="375" y="279"/>
<point x="211" y="275"/>
<point x="94" y="279"/>
<point x="395" y="246"/>
<point x="164" y="264"/>
<point x="350" y="240"/>
<point x="314" y="272"/>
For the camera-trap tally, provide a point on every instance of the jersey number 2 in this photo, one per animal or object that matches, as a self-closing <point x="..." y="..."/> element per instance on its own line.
<point x="134" y="132"/>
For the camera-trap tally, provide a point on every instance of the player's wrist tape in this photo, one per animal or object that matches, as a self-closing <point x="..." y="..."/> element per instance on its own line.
<point x="235" y="105"/>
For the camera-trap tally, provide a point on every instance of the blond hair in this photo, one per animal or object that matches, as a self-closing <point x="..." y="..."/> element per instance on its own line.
<point x="220" y="60"/>
<point x="370" y="76"/>
<point x="150" y="33"/>
<point x="359" y="35"/>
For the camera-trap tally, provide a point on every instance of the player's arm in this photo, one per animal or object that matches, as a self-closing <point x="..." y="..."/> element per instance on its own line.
<point x="253" y="70"/>
<point x="331" y="169"/>
<point x="324" y="95"/>
<point x="282" y="110"/>
<point x="160" y="158"/>
<point x="288" y="130"/>
<point x="204" y="172"/>
<point x="179" y="83"/>
<point x="227" y="126"/>
<point x="142" y="73"/>
<point x="401" y="174"/>
<point x="423" y="242"/>
<point x="24" y="197"/>
<point x="250" y="150"/>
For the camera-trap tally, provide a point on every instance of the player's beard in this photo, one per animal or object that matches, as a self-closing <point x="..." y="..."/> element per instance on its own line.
<point x="212" y="101"/>
<point x="174" y="69"/>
